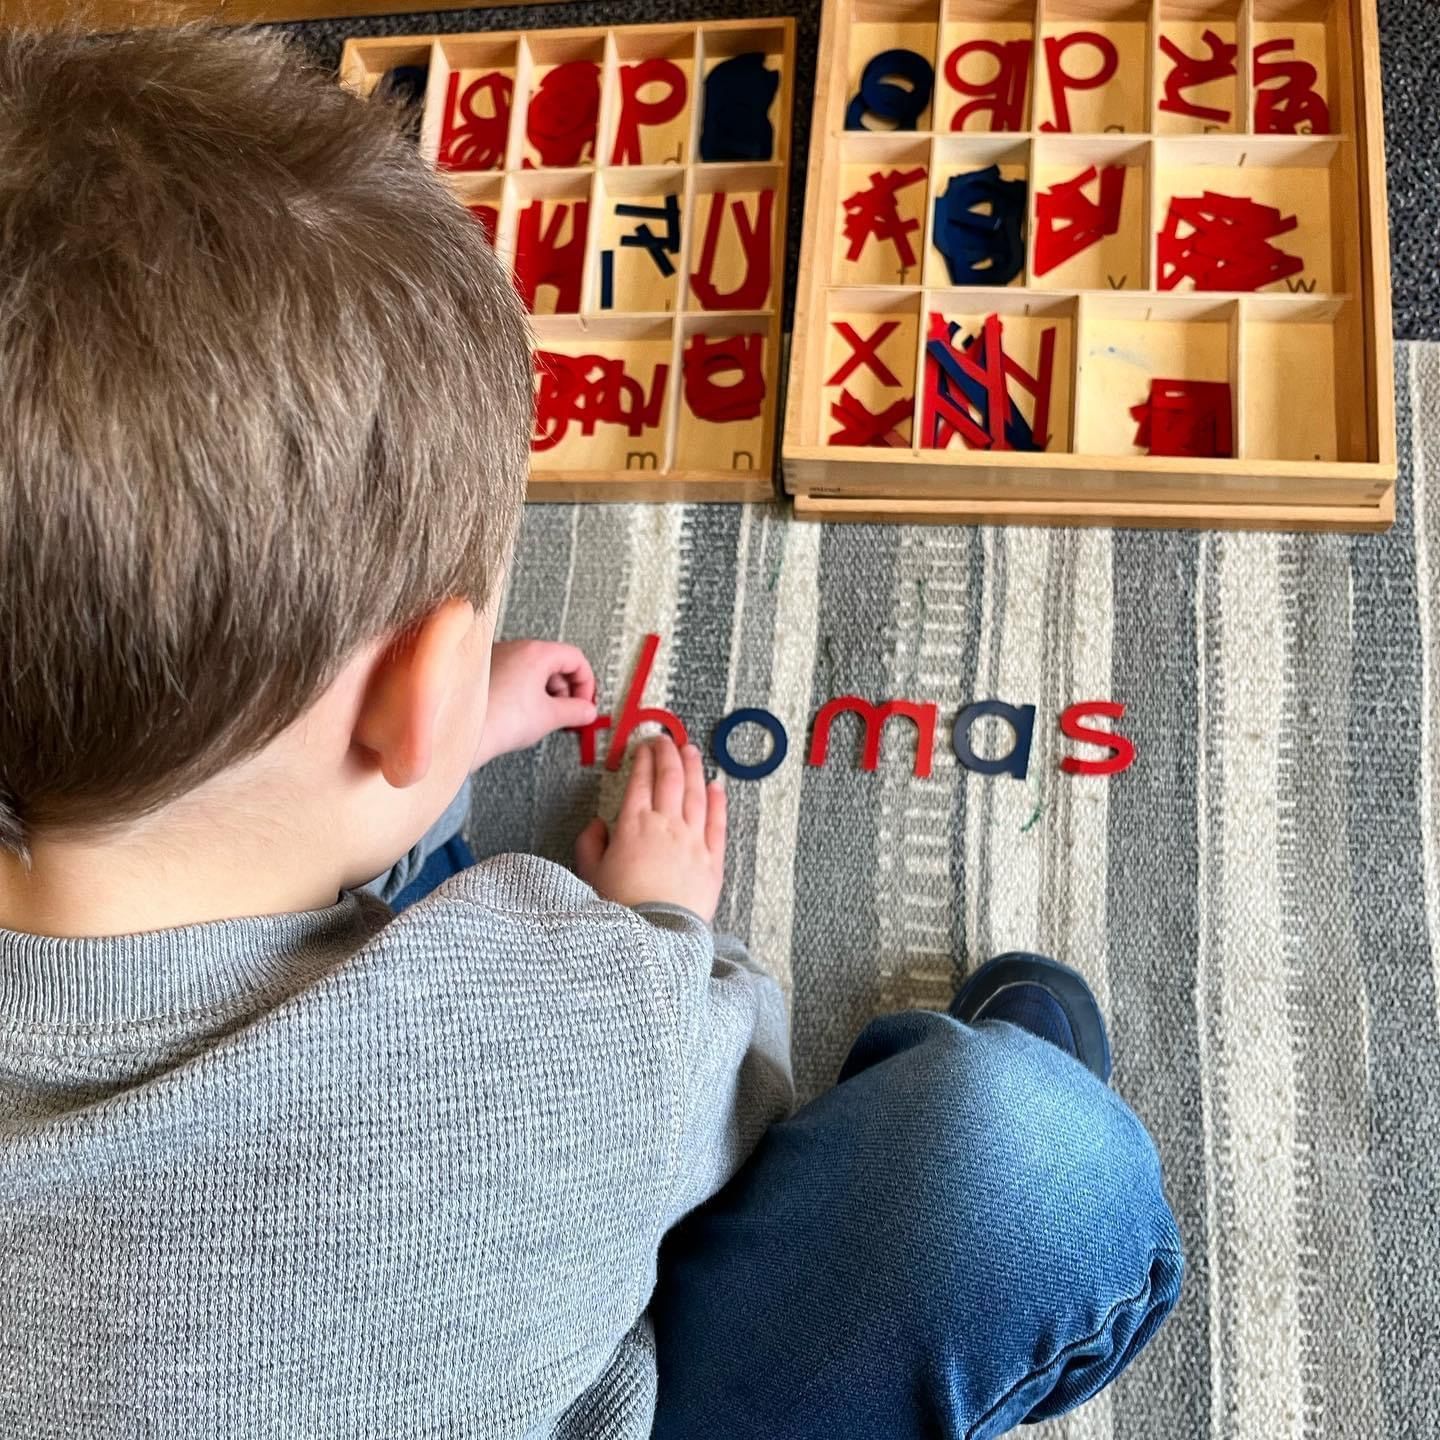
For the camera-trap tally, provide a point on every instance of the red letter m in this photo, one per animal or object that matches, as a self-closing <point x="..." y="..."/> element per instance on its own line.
<point x="875" y="717"/>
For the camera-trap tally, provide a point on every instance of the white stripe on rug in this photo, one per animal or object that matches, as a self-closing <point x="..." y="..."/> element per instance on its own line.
<point x="1075" y="829"/>
<point x="915" y="907"/>
<point x="742" y="579"/>
<point x="655" y="535"/>
<point x="1427" y="524"/>
<point x="1263" y="1294"/>
<point x="1007" y="842"/>
<point x="1207" y="963"/>
<point x="1080" y="853"/>
<point x="792" y="668"/>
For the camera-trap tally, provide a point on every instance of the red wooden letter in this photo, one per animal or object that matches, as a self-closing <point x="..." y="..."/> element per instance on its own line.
<point x="542" y="259"/>
<point x="1072" y="723"/>
<point x="865" y="351"/>
<point x="586" y="735"/>
<point x="633" y="713"/>
<point x="1062" y="81"/>
<point x="635" y="112"/>
<point x="875" y="717"/>
<point x="1003" y="95"/>
<point x="754" y="235"/>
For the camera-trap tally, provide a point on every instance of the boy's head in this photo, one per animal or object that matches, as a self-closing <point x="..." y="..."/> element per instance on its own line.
<point x="264" y="408"/>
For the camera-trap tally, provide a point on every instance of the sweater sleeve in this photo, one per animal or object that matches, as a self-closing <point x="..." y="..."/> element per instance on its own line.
<point x="734" y="1054"/>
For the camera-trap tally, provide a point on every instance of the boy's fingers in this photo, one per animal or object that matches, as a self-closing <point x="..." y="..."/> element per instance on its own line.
<point x="590" y="847"/>
<point x="669" y="777"/>
<point x="567" y="670"/>
<point x="582" y="678"/>
<point x="569" y="712"/>
<point x="574" y="669"/>
<point x="694" y="807"/>
<point x="640" y="790"/>
<point x="715" y="819"/>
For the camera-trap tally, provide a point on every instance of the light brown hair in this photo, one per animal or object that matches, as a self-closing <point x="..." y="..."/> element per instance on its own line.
<point x="264" y="396"/>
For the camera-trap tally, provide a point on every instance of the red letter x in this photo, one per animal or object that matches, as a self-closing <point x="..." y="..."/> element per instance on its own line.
<point x="865" y="352"/>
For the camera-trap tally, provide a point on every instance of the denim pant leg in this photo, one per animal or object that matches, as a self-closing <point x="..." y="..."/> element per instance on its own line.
<point x="967" y="1232"/>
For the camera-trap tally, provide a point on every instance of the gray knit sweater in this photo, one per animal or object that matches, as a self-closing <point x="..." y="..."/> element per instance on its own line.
<point x="346" y="1175"/>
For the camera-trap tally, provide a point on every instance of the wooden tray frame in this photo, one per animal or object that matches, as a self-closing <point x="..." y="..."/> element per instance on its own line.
<point x="366" y="59"/>
<point x="956" y="485"/>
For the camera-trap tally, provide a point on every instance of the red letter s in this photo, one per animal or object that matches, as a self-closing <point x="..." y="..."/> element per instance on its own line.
<point x="1072" y="723"/>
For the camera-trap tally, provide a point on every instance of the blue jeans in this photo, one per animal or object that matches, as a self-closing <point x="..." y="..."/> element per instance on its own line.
<point x="967" y="1232"/>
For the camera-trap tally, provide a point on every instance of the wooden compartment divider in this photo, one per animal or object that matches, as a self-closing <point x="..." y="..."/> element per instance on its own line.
<point x="1307" y="357"/>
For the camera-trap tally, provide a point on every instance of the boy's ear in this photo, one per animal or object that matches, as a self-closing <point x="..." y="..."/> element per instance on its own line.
<point x="406" y="691"/>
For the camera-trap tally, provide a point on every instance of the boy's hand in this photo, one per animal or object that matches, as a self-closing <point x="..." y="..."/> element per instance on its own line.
<point x="668" y="843"/>
<point x="536" y="686"/>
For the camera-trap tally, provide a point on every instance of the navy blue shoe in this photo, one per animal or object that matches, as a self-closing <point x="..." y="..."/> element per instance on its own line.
<point x="1042" y="996"/>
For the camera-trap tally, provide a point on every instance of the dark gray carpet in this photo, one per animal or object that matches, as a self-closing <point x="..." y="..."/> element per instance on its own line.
<point x="1409" y="50"/>
<point x="1411" y="58"/>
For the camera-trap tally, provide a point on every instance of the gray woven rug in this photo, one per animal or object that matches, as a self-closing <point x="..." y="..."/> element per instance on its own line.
<point x="1257" y="900"/>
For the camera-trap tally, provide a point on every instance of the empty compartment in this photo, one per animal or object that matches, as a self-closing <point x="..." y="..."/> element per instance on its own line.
<point x="746" y="94"/>
<point x="870" y="358"/>
<point x="985" y="74"/>
<point x="735" y="226"/>
<point x="552" y="217"/>
<point x="1089" y="213"/>
<point x="1093" y="69"/>
<point x="980" y="346"/>
<point x="978" y="212"/>
<point x="879" y="236"/>
<point x="651" y="110"/>
<point x="726" y="402"/>
<point x="638" y="252"/>
<point x="601" y="397"/>
<point x="1298" y="58"/>
<point x="1173" y="360"/>
<point x="471" y="103"/>
<point x="1300" y="360"/>
<point x="562" y="75"/>
<point x="1279" y="215"/>
<point x="890" y="65"/>
<point x="1198" y="67"/>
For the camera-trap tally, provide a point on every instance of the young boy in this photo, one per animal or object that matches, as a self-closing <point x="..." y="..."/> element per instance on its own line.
<point x="275" y="1161"/>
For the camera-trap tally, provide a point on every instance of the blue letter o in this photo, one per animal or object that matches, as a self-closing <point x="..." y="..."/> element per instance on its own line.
<point x="720" y="744"/>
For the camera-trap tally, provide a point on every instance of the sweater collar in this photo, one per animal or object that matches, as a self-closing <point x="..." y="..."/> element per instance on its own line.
<point x="162" y="974"/>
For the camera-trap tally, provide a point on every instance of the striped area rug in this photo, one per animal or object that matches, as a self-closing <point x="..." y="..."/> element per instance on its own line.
<point x="1257" y="900"/>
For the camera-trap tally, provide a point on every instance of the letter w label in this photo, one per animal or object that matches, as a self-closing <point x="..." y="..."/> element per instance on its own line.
<point x="875" y="716"/>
